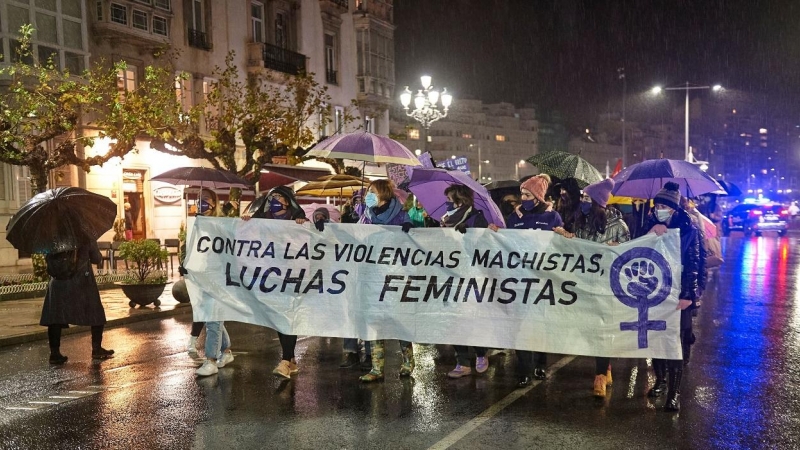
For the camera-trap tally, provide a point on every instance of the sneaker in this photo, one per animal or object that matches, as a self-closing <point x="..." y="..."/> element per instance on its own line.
<point x="283" y="369"/>
<point x="539" y="374"/>
<point x="57" y="358"/>
<point x="208" y="368"/>
<point x="102" y="353"/>
<point x="600" y="386"/>
<point x="225" y="359"/>
<point x="459" y="371"/>
<point x="349" y="360"/>
<point x="191" y="347"/>
<point x="293" y="366"/>
<point x="481" y="364"/>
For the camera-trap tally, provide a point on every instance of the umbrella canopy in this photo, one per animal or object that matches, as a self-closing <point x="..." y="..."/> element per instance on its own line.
<point x="332" y="211"/>
<point x="566" y="165"/>
<point x="332" y="186"/>
<point x="645" y="179"/>
<point x="202" y="176"/>
<point x="428" y="186"/>
<point x="60" y="219"/>
<point x="364" y="146"/>
<point x="731" y="189"/>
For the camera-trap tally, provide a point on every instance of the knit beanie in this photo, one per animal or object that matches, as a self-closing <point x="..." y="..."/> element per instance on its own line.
<point x="669" y="196"/>
<point x="537" y="185"/>
<point x="600" y="192"/>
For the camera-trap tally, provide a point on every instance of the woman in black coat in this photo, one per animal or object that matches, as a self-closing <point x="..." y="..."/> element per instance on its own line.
<point x="75" y="301"/>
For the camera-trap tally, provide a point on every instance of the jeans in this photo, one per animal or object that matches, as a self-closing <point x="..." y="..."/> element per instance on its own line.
<point x="217" y="339"/>
<point x="462" y="354"/>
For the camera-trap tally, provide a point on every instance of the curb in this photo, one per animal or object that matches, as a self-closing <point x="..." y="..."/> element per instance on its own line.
<point x="179" y="309"/>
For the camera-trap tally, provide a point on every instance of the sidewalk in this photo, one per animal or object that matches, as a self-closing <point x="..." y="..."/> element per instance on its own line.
<point x="19" y="319"/>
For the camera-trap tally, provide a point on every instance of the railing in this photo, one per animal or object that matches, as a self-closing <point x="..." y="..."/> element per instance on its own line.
<point x="342" y="3"/>
<point x="331" y="76"/>
<point x="283" y="60"/>
<point x="199" y="39"/>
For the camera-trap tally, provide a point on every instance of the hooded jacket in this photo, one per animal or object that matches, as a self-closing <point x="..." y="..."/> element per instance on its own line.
<point x="690" y="252"/>
<point x="259" y="209"/>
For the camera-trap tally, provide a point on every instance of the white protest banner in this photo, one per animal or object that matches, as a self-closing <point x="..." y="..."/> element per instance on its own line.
<point x="523" y="289"/>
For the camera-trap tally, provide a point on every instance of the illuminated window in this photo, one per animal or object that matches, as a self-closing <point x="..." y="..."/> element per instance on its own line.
<point x="126" y="81"/>
<point x="413" y="134"/>
<point x="466" y="136"/>
<point x="500" y="138"/>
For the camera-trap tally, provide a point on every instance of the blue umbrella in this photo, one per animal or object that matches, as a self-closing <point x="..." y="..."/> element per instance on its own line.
<point x="645" y="179"/>
<point x="428" y="186"/>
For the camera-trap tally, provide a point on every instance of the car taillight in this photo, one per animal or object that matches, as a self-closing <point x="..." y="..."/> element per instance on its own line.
<point x="784" y="212"/>
<point x="756" y="212"/>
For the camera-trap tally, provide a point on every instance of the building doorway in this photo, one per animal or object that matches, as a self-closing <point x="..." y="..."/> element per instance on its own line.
<point x="133" y="194"/>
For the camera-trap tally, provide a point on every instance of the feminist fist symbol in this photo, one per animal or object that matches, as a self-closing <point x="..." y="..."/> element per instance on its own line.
<point x="643" y="291"/>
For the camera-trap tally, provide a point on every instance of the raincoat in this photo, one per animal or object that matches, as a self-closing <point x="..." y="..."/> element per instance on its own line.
<point x="75" y="301"/>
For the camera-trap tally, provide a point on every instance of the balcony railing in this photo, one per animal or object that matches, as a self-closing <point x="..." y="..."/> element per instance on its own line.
<point x="283" y="60"/>
<point x="331" y="76"/>
<point x="199" y="39"/>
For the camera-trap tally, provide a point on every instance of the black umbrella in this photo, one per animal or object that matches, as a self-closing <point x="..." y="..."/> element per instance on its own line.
<point x="202" y="176"/>
<point x="731" y="189"/>
<point x="60" y="219"/>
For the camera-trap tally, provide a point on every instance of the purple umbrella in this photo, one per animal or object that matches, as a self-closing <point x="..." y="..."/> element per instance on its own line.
<point x="364" y="146"/>
<point x="645" y="179"/>
<point x="428" y="186"/>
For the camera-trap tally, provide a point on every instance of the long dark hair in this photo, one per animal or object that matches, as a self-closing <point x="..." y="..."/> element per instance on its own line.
<point x="595" y="221"/>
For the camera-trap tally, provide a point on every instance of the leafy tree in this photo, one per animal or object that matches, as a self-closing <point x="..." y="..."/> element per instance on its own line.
<point x="42" y="103"/>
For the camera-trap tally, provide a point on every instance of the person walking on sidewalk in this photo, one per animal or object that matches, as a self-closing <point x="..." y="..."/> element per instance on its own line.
<point x="74" y="300"/>
<point x="218" y="349"/>
<point x="462" y="214"/>
<point x="279" y="203"/>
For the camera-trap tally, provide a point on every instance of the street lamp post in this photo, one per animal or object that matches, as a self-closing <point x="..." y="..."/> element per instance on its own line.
<point x="426" y="104"/>
<point x="621" y="75"/>
<point x="688" y="87"/>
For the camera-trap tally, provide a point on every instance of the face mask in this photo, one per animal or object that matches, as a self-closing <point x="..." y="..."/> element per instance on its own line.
<point x="528" y="205"/>
<point x="275" y="205"/>
<point x="663" y="215"/>
<point x="205" y="207"/>
<point x="586" y="207"/>
<point x="371" y="200"/>
<point x="450" y="206"/>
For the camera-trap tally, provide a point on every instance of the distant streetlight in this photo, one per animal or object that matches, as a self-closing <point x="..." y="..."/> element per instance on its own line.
<point x="687" y="87"/>
<point x="417" y="152"/>
<point x="426" y="104"/>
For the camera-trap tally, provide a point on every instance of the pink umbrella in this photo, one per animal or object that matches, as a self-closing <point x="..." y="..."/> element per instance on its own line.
<point x="364" y="146"/>
<point x="332" y="210"/>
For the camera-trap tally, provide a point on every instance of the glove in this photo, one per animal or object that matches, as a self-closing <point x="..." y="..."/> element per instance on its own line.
<point x="407" y="226"/>
<point x="461" y="229"/>
<point x="320" y="224"/>
<point x="182" y="270"/>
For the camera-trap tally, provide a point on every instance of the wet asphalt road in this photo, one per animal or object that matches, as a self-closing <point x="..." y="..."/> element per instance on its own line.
<point x="739" y="390"/>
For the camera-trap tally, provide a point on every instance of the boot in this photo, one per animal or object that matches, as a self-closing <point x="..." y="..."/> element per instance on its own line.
<point x="600" y="385"/>
<point x="609" y="380"/>
<point x="660" y="371"/>
<point x="673" y="396"/>
<point x="408" y="361"/>
<point x="376" y="374"/>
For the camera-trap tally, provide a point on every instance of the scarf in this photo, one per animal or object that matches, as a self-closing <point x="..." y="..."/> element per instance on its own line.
<point x="383" y="215"/>
<point x="455" y="219"/>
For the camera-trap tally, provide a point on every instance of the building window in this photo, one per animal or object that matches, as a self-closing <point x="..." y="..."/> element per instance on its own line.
<point x="466" y="136"/>
<point x="163" y="4"/>
<point x="74" y="63"/>
<point x="413" y="134"/>
<point x="160" y="26"/>
<point x="257" y="20"/>
<point x="197" y="23"/>
<point x="183" y="90"/>
<point x="99" y="15"/>
<point x="330" y="58"/>
<point x="280" y="29"/>
<point x="500" y="138"/>
<point x="369" y="124"/>
<point x="140" y="20"/>
<point x="119" y="14"/>
<point x="126" y="80"/>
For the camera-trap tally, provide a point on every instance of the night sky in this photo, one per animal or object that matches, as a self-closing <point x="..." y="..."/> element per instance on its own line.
<point x="564" y="54"/>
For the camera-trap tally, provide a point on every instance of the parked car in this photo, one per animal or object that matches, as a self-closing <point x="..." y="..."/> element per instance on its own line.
<point x="752" y="218"/>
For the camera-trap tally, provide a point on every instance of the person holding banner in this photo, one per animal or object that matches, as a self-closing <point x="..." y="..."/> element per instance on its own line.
<point x="383" y="208"/>
<point x="605" y="226"/>
<point x="667" y="213"/>
<point x="280" y="203"/>
<point x="461" y="215"/>
<point x="533" y="213"/>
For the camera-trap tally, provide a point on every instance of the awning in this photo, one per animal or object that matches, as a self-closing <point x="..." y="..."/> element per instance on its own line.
<point x="280" y="175"/>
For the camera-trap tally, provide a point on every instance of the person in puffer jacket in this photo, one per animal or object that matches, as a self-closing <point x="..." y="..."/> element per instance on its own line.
<point x="667" y="214"/>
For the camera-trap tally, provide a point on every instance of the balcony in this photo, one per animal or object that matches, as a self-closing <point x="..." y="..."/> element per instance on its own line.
<point x="335" y="7"/>
<point x="331" y="76"/>
<point x="283" y="60"/>
<point x="199" y="39"/>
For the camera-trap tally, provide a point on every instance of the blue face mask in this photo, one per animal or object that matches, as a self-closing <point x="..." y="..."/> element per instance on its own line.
<point x="205" y="207"/>
<point x="371" y="200"/>
<point x="528" y="205"/>
<point x="450" y="206"/>
<point x="275" y="205"/>
<point x="586" y="207"/>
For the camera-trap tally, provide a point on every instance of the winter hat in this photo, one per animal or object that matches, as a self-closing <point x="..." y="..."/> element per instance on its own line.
<point x="669" y="196"/>
<point x="358" y="194"/>
<point x="537" y="185"/>
<point x="600" y="192"/>
<point x="326" y="215"/>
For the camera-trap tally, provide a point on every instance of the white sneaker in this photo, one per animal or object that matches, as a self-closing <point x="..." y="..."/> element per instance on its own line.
<point x="191" y="347"/>
<point x="208" y="368"/>
<point x="225" y="359"/>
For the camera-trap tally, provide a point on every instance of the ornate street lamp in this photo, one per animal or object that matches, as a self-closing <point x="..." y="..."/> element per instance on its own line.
<point x="426" y="104"/>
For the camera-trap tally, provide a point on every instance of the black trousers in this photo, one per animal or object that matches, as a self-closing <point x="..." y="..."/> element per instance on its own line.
<point x="288" y="343"/>
<point x="527" y="361"/>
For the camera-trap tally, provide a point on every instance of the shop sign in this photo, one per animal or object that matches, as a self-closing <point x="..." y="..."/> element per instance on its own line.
<point x="167" y="194"/>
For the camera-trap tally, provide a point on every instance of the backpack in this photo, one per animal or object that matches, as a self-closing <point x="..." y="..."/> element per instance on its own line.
<point x="62" y="265"/>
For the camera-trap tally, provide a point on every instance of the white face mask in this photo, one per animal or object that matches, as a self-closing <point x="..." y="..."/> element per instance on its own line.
<point x="663" y="215"/>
